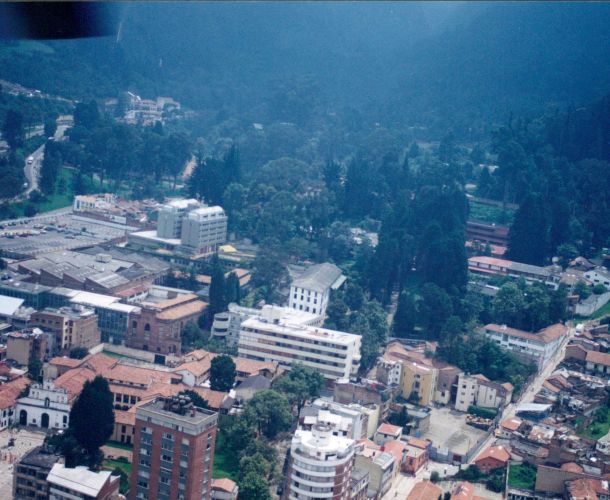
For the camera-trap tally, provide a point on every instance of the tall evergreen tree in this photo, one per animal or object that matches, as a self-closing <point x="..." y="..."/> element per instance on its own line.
<point x="232" y="289"/>
<point x="529" y="235"/>
<point x="218" y="290"/>
<point x="92" y="417"/>
<point x="404" y="318"/>
<point x="13" y="130"/>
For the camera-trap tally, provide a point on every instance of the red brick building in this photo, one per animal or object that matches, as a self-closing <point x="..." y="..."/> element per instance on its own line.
<point x="494" y="457"/>
<point x="173" y="451"/>
<point x="158" y="327"/>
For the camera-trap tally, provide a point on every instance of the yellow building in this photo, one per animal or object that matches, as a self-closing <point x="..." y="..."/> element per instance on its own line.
<point x="420" y="380"/>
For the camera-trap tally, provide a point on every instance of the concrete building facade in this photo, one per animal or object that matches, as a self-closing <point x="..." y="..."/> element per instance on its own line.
<point x="71" y="326"/>
<point x="336" y="355"/>
<point x="320" y="465"/>
<point x="310" y="292"/>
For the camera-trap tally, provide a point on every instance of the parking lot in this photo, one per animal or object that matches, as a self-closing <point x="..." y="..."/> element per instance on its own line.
<point x="448" y="429"/>
<point x="25" y="440"/>
<point x="44" y="234"/>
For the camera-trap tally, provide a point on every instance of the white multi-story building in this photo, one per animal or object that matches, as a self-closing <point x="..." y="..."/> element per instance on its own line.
<point x="537" y="348"/>
<point x="344" y="420"/>
<point x="320" y="465"/>
<point x="46" y="406"/>
<point x="227" y="324"/>
<point x="310" y="292"/>
<point x="171" y="215"/>
<point x="334" y="354"/>
<point x="478" y="390"/>
<point x="203" y="229"/>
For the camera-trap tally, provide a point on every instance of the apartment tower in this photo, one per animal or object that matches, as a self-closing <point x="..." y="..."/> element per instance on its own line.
<point x="320" y="465"/>
<point x="173" y="450"/>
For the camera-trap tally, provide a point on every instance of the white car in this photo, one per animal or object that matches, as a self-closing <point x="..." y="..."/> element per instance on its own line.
<point x="30" y="160"/>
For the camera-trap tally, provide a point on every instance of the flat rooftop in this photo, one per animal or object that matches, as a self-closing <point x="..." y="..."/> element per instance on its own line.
<point x="305" y="332"/>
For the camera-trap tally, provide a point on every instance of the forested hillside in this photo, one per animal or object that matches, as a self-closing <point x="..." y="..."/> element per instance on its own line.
<point x="462" y="66"/>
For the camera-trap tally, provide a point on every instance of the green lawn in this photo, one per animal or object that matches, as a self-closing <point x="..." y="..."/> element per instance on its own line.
<point x="601" y="312"/>
<point x="224" y="464"/>
<point x="522" y="476"/>
<point x="113" y="464"/>
<point x="599" y="426"/>
<point x="488" y="213"/>
<point x="121" y="446"/>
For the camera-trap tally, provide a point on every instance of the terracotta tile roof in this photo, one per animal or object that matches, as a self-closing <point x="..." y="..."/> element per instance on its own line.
<point x="480" y="376"/>
<point x="185" y="310"/>
<point x="545" y="336"/>
<point x="499" y="453"/>
<point x="165" y="304"/>
<point x="136" y="375"/>
<point x="65" y="361"/>
<point x="10" y="391"/>
<point x="418" y="443"/>
<point x="215" y="399"/>
<point x="396" y="448"/>
<point x="73" y="381"/>
<point x="367" y="443"/>
<point x="511" y="424"/>
<point x="224" y="484"/>
<point x="598" y="358"/>
<point x="425" y="490"/>
<point x="389" y="429"/>
<point x="124" y="417"/>
<point x="572" y="467"/>
<point x="587" y="489"/>
<point x="254" y="367"/>
<point x="197" y="368"/>
<point x="463" y="491"/>
<point x="99" y="362"/>
<point x="197" y="354"/>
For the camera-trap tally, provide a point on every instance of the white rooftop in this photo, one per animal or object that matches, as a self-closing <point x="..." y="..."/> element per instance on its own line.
<point x="79" y="479"/>
<point x="302" y="331"/>
<point x="182" y="203"/>
<point x="152" y="235"/>
<point x="9" y="305"/>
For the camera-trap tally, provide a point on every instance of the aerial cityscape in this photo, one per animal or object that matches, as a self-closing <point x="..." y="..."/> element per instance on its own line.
<point x="305" y="251"/>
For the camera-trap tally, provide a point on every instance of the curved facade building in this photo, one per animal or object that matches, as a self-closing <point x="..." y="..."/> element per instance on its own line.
<point x="320" y="465"/>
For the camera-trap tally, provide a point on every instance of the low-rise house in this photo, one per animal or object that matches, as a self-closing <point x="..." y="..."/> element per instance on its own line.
<point x="31" y="471"/>
<point x="587" y="489"/>
<point x="224" y="489"/>
<point x="9" y="394"/>
<point x="81" y="483"/>
<point x="416" y="456"/>
<point x="494" y="457"/>
<point x="598" y="362"/>
<point x="425" y="490"/>
<point x="508" y="427"/>
<point x="195" y="372"/>
<point x="465" y="491"/>
<point x="387" y="432"/>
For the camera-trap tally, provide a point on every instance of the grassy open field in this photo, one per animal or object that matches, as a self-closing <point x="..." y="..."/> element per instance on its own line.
<point x="522" y="476"/>
<point x="224" y="464"/>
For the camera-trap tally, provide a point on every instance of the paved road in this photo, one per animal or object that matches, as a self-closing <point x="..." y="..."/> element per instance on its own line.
<point x="32" y="170"/>
<point x="528" y="395"/>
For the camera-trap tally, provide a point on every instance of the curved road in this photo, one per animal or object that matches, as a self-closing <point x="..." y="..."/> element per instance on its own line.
<point x="32" y="170"/>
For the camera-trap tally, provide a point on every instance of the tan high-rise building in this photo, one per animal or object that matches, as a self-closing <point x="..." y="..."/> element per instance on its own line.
<point x="71" y="326"/>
